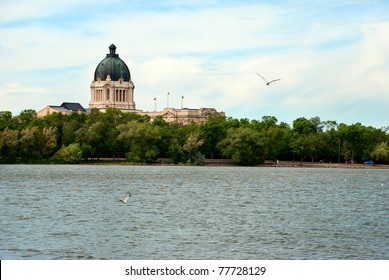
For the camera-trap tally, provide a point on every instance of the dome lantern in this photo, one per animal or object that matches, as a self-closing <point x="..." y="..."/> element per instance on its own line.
<point x="112" y="51"/>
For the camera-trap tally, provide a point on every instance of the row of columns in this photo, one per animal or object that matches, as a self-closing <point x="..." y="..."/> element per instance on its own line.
<point x="120" y="95"/>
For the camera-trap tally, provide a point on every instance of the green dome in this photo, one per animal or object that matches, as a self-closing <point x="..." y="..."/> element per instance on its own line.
<point x="113" y="66"/>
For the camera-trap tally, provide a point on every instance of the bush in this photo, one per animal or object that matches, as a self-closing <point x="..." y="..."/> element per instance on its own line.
<point x="381" y="152"/>
<point x="197" y="159"/>
<point x="68" y="154"/>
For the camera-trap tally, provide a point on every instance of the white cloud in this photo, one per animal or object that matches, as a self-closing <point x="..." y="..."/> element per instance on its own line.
<point x="22" y="10"/>
<point x="16" y="97"/>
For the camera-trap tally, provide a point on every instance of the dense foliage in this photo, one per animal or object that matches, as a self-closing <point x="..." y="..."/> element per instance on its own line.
<point x="114" y="134"/>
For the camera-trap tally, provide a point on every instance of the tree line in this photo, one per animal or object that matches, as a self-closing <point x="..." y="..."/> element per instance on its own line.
<point x="60" y="138"/>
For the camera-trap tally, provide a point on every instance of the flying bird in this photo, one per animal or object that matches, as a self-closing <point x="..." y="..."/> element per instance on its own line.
<point x="267" y="83"/>
<point x="124" y="200"/>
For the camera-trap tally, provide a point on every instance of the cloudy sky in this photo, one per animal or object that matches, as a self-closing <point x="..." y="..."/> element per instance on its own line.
<point x="332" y="56"/>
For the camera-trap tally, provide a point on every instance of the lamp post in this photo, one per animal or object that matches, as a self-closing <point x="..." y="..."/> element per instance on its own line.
<point x="182" y="102"/>
<point x="155" y="104"/>
<point x="168" y="99"/>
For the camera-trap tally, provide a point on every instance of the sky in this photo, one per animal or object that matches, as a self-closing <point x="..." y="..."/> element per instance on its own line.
<point x="331" y="56"/>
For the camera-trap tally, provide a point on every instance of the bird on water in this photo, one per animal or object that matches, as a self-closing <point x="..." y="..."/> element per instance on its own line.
<point x="267" y="83"/>
<point x="124" y="200"/>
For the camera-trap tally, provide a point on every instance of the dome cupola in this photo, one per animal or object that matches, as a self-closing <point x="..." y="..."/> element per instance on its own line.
<point x="112" y="86"/>
<point x="113" y="66"/>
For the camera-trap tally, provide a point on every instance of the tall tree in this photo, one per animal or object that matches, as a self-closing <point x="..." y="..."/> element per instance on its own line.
<point x="245" y="146"/>
<point x="381" y="152"/>
<point x="5" y="120"/>
<point x="192" y="145"/>
<point x="26" y="118"/>
<point x="29" y="144"/>
<point x="354" y="141"/>
<point x="9" y="144"/>
<point x="269" y="121"/>
<point x="140" y="141"/>
<point x="49" y="142"/>
<point x="212" y="132"/>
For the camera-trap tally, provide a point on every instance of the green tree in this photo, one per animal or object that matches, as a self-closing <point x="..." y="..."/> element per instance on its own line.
<point x="66" y="125"/>
<point x="71" y="125"/>
<point x="87" y="151"/>
<point x="232" y="122"/>
<point x="304" y="126"/>
<point x="276" y="146"/>
<point x="269" y="122"/>
<point x="56" y="120"/>
<point x="353" y="140"/>
<point x="381" y="152"/>
<point x="307" y="138"/>
<point x="167" y="141"/>
<point x="9" y="144"/>
<point x="96" y="137"/>
<point x="191" y="146"/>
<point x="68" y="154"/>
<point x="212" y="132"/>
<point x="49" y="142"/>
<point x="174" y="138"/>
<point x="176" y="152"/>
<point x="159" y="121"/>
<point x="100" y="132"/>
<point x="26" y="118"/>
<point x="140" y="141"/>
<point x="331" y="142"/>
<point x="244" y="146"/>
<point x="300" y="145"/>
<point x="5" y="120"/>
<point x="29" y="144"/>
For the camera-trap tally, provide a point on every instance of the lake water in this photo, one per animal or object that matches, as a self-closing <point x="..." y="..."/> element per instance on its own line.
<point x="183" y="212"/>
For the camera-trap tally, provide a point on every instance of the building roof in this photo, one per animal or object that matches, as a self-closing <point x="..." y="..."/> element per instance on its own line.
<point x="59" y="109"/>
<point x="113" y="66"/>
<point x="74" y="107"/>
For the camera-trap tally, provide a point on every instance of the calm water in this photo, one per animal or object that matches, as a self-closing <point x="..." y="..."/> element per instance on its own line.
<point x="74" y="212"/>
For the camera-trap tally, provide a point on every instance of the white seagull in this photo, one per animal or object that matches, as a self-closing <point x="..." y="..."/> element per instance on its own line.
<point x="124" y="200"/>
<point x="267" y="83"/>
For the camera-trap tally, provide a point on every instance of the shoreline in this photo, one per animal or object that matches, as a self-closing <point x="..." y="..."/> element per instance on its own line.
<point x="298" y="164"/>
<point x="229" y="162"/>
<point x="222" y="162"/>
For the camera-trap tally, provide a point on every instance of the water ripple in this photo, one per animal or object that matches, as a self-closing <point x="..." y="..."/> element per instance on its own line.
<point x="73" y="212"/>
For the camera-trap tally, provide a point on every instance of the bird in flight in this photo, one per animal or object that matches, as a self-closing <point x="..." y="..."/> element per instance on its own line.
<point x="124" y="200"/>
<point x="267" y="83"/>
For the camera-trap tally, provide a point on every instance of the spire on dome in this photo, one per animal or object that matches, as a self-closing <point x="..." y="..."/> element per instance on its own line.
<point x="112" y="49"/>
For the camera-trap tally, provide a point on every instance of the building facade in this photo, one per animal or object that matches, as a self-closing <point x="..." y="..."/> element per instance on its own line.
<point x="184" y="115"/>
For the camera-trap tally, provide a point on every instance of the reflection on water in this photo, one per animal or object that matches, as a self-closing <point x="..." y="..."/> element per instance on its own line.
<point x="74" y="212"/>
